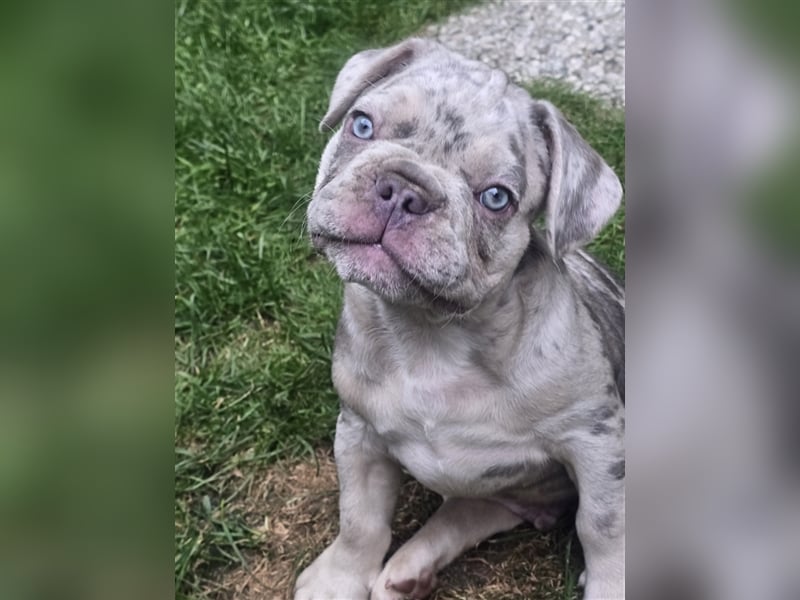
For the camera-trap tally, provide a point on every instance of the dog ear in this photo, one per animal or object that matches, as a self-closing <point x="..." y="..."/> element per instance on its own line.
<point x="364" y="70"/>
<point x="583" y="192"/>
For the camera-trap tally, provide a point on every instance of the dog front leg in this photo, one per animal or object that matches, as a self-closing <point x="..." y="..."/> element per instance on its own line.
<point x="598" y="467"/>
<point x="368" y="485"/>
<point x="459" y="524"/>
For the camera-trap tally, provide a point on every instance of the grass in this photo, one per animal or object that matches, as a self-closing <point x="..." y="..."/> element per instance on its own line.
<point x="255" y="309"/>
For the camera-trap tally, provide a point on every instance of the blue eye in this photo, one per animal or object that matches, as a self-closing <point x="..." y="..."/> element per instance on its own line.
<point x="495" y="198"/>
<point x="362" y="127"/>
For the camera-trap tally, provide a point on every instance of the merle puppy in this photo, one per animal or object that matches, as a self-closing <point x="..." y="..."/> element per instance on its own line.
<point x="480" y="355"/>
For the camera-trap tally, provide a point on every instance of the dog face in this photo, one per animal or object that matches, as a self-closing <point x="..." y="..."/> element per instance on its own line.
<point x="427" y="192"/>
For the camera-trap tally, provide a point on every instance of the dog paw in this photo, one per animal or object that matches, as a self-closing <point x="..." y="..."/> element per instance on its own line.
<point x="331" y="578"/>
<point x="329" y="586"/>
<point x="399" y="586"/>
<point x="602" y="589"/>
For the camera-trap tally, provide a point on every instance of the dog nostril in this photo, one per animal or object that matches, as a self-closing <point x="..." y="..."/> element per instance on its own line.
<point x="414" y="204"/>
<point x="386" y="190"/>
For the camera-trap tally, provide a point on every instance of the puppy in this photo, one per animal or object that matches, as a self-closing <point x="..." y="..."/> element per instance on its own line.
<point x="481" y="356"/>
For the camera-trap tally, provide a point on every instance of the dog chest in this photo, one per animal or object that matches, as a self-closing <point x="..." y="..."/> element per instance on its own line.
<point x="456" y="416"/>
<point x="453" y="431"/>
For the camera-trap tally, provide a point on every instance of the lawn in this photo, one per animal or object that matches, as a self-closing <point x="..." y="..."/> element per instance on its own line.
<point x="255" y="309"/>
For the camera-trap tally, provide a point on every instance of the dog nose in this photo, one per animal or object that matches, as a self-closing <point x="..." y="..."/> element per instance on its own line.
<point x="393" y="189"/>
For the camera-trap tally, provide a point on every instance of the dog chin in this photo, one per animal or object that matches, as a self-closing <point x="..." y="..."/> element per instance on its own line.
<point x="373" y="267"/>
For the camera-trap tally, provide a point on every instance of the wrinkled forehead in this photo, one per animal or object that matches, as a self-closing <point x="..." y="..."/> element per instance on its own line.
<point x="456" y="110"/>
<point x="461" y="94"/>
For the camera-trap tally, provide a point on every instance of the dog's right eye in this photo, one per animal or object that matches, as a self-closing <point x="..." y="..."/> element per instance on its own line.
<point x="362" y="127"/>
<point x="495" y="198"/>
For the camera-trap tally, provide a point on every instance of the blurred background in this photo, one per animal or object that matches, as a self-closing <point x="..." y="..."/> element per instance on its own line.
<point x="86" y="296"/>
<point x="713" y="297"/>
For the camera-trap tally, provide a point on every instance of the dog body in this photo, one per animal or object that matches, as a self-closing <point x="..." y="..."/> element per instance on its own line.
<point x="485" y="359"/>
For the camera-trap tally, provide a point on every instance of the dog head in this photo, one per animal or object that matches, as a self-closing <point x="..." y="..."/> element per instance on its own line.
<point x="427" y="193"/>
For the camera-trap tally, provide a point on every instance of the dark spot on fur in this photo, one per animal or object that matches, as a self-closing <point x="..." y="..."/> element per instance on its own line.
<point x="521" y="179"/>
<point x="544" y="166"/>
<point x="617" y="470"/>
<point x="605" y="522"/>
<point x="516" y="150"/>
<point x="604" y="274"/>
<point x="505" y="470"/>
<point x="611" y="389"/>
<point x="483" y="250"/>
<point x="609" y="318"/>
<point x="453" y="120"/>
<point x="405" y="129"/>
<point x="600" y="428"/>
<point x="457" y="142"/>
<point x="602" y="413"/>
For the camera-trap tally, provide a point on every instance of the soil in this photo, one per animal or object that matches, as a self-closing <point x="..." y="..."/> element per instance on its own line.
<point x="294" y="507"/>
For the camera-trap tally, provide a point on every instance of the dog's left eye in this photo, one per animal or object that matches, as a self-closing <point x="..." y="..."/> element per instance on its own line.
<point x="362" y="127"/>
<point x="495" y="198"/>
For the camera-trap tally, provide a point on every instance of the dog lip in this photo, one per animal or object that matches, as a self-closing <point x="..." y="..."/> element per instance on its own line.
<point x="436" y="299"/>
<point x="342" y="240"/>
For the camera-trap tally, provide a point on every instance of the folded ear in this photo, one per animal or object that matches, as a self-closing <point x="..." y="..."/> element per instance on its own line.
<point x="364" y="70"/>
<point x="583" y="192"/>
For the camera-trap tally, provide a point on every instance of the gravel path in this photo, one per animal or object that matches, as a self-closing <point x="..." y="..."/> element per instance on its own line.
<point x="582" y="43"/>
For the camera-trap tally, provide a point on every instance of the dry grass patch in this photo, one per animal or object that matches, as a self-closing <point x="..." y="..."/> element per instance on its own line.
<point x="294" y="507"/>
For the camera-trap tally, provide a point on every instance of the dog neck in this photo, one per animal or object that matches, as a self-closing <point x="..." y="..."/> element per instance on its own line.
<point x="532" y="291"/>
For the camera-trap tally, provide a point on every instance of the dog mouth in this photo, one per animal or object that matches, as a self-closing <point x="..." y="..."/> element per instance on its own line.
<point x="374" y="264"/>
<point x="370" y="254"/>
<point x="321" y="240"/>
